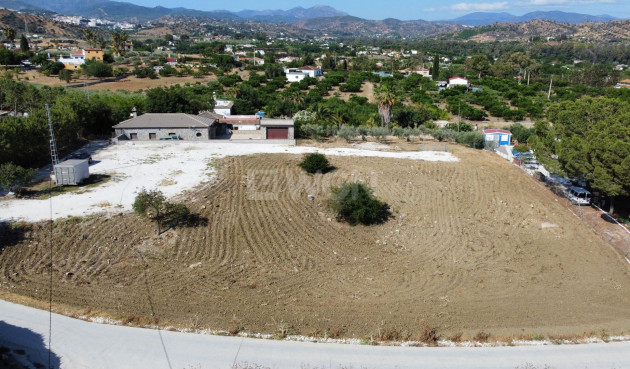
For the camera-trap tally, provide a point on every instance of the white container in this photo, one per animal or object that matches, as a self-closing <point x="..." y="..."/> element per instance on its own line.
<point x="71" y="172"/>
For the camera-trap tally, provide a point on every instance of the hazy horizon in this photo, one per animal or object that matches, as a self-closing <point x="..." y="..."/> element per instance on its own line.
<point x="408" y="9"/>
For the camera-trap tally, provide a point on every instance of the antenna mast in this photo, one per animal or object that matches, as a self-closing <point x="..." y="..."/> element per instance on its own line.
<point x="53" y="143"/>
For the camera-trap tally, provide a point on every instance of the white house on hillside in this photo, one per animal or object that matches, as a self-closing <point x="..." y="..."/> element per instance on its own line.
<point x="458" y="81"/>
<point x="298" y="74"/>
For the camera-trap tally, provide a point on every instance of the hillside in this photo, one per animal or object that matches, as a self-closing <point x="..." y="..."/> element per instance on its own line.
<point x="487" y="18"/>
<point x="37" y="25"/>
<point x="354" y="26"/>
<point x="589" y="31"/>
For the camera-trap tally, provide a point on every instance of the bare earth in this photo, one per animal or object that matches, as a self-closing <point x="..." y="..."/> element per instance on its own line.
<point x="475" y="245"/>
<point x="130" y="84"/>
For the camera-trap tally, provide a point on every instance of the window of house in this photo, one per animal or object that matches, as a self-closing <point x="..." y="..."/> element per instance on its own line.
<point x="172" y="134"/>
<point x="133" y="136"/>
<point x="151" y="136"/>
<point x="198" y="134"/>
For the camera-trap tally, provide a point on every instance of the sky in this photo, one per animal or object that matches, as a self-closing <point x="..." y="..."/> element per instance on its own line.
<point x="411" y="9"/>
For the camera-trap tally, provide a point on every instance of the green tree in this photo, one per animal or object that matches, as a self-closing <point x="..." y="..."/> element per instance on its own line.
<point x="315" y="162"/>
<point x="355" y="203"/>
<point x="14" y="177"/>
<point x="151" y="204"/>
<point x="24" y="44"/>
<point x="9" y="33"/>
<point x="435" y="70"/>
<point x="386" y="96"/>
<point x="65" y="75"/>
<point x="97" y="69"/>
<point x="479" y="64"/>
<point x="590" y="137"/>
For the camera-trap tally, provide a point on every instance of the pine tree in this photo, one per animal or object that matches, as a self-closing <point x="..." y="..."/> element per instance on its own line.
<point x="24" y="44"/>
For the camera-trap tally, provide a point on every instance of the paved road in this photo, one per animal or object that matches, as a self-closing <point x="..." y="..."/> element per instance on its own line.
<point x="80" y="344"/>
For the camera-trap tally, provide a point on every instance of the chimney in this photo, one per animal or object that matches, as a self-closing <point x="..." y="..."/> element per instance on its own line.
<point x="134" y="112"/>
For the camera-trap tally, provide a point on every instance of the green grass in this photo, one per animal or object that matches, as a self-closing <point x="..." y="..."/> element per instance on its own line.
<point x="43" y="190"/>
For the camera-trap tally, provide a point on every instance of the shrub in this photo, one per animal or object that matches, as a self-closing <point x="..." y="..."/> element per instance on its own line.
<point x="522" y="148"/>
<point x="355" y="203"/>
<point x="379" y="132"/>
<point x="14" y="177"/>
<point x="315" y="162"/>
<point x="348" y="132"/>
<point x="471" y="139"/>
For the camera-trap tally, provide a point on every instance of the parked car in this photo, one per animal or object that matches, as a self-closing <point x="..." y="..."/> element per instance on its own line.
<point x="578" y="195"/>
<point x="81" y="156"/>
<point x="173" y="137"/>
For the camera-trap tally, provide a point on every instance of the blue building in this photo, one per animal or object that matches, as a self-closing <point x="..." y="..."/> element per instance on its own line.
<point x="497" y="137"/>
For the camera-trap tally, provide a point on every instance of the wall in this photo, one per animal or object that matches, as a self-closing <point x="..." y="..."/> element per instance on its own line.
<point x="189" y="134"/>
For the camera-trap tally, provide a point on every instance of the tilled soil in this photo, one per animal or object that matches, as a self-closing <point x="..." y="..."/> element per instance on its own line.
<point x="472" y="246"/>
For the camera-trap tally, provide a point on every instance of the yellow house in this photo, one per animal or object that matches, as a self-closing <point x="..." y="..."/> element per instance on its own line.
<point x="93" y="54"/>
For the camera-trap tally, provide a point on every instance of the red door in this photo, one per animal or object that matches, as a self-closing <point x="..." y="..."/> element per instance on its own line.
<point x="277" y="133"/>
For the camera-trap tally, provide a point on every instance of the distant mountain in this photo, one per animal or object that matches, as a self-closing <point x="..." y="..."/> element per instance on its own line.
<point x="120" y="11"/>
<point x="19" y="5"/>
<point x="354" y="26"/>
<point x="485" y="18"/>
<point x="291" y="15"/>
<point x="116" y="10"/>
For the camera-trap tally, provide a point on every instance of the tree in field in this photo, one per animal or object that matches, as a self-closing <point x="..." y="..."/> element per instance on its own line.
<point x="153" y="204"/>
<point x="355" y="203"/>
<point x="97" y="69"/>
<point x="590" y="137"/>
<point x="385" y="96"/>
<point x="435" y="70"/>
<point x="118" y="41"/>
<point x="90" y="37"/>
<point x="24" y="44"/>
<point x="478" y="64"/>
<point x="65" y="75"/>
<point x="14" y="177"/>
<point x="9" y="33"/>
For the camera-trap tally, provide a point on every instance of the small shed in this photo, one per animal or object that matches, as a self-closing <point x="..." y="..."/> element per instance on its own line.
<point x="277" y="129"/>
<point x="497" y="137"/>
<point x="71" y="172"/>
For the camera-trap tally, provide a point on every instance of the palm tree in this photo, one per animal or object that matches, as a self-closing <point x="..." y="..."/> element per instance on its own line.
<point x="9" y="34"/>
<point x="322" y="113"/>
<point x="90" y="37"/>
<point x="385" y="96"/>
<point x="118" y="41"/>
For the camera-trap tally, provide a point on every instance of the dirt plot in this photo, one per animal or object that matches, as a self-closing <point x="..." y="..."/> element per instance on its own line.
<point x="129" y="84"/>
<point x="475" y="245"/>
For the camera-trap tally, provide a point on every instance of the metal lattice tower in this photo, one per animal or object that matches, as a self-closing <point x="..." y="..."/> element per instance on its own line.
<point x="53" y="143"/>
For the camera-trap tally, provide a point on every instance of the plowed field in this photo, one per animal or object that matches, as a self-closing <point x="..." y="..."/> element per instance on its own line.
<point x="473" y="245"/>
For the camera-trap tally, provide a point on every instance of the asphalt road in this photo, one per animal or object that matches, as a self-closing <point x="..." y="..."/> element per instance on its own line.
<point x="80" y="344"/>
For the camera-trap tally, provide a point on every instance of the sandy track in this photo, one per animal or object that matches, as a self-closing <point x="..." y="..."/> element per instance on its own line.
<point x="466" y="251"/>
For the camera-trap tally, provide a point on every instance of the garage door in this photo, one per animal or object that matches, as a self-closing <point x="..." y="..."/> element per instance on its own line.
<point x="277" y="133"/>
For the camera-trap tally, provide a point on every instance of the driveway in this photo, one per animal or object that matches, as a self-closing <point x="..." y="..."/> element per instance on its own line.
<point x="80" y="344"/>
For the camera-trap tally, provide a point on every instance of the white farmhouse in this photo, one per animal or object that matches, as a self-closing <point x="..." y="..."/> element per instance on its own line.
<point x="458" y="81"/>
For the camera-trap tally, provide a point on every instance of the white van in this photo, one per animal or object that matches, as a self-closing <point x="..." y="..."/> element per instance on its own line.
<point x="578" y="195"/>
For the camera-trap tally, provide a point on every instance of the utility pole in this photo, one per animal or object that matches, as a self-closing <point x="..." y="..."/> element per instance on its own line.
<point x="549" y="93"/>
<point x="459" y="115"/>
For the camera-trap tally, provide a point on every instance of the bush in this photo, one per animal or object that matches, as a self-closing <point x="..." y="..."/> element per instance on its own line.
<point x="314" y="131"/>
<point x="471" y="139"/>
<point x="355" y="203"/>
<point x="313" y="163"/>
<point x="379" y="133"/>
<point x="348" y="132"/>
